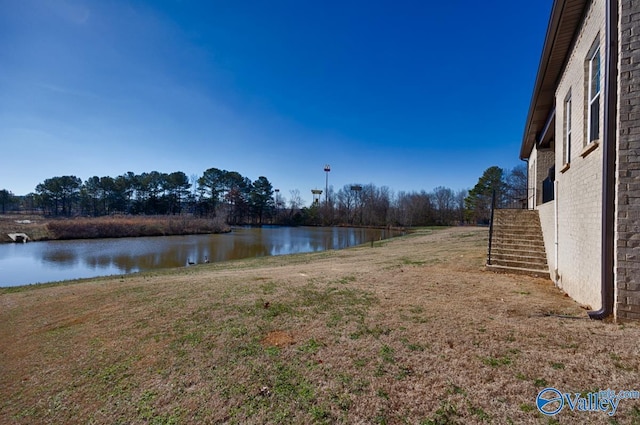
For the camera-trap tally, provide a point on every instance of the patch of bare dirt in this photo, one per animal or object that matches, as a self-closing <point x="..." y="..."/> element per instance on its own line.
<point x="278" y="339"/>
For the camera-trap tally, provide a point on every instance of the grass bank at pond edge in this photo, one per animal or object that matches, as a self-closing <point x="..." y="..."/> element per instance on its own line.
<point x="40" y="228"/>
<point x="133" y="226"/>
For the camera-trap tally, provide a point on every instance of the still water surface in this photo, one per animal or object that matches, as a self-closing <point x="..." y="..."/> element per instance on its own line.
<point x="40" y="262"/>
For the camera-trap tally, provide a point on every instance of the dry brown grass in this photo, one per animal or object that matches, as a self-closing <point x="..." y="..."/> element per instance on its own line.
<point x="41" y="228"/>
<point x="36" y="227"/>
<point x="409" y="331"/>
<point x="132" y="226"/>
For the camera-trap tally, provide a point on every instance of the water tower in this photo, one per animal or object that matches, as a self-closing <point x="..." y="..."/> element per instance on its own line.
<point x="316" y="196"/>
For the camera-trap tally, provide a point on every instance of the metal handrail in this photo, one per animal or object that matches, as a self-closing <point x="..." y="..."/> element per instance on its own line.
<point x="512" y="199"/>
<point x="493" y="207"/>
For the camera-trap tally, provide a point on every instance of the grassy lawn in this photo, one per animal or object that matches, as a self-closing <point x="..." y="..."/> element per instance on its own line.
<point x="411" y="330"/>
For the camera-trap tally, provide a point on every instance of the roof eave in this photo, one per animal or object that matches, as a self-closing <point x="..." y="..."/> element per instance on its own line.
<point x="562" y="26"/>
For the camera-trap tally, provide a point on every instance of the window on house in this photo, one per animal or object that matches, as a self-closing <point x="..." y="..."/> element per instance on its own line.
<point x="593" y="120"/>
<point x="567" y="125"/>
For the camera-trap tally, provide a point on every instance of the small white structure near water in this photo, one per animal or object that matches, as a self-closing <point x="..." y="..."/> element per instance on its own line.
<point x="19" y="237"/>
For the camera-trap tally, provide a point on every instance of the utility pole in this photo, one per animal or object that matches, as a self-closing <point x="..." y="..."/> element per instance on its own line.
<point x="277" y="191"/>
<point x="327" y="168"/>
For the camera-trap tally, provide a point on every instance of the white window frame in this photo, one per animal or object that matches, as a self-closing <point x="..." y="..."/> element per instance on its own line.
<point x="593" y="99"/>
<point x="567" y="130"/>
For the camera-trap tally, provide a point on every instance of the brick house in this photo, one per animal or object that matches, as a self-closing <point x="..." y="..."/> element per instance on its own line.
<point x="582" y="146"/>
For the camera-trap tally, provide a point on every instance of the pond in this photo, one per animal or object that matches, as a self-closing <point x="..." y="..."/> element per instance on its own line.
<point x="40" y="262"/>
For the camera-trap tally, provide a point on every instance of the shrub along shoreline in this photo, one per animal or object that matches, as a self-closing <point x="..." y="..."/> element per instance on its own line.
<point x="114" y="227"/>
<point x="133" y="226"/>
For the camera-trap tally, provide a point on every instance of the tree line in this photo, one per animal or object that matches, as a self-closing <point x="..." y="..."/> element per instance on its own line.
<point x="369" y="205"/>
<point x="154" y="193"/>
<point x="239" y="200"/>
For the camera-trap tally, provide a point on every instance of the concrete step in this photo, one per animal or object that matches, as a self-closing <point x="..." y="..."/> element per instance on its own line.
<point x="515" y="215"/>
<point x="522" y="264"/>
<point x="519" y="256"/>
<point x="517" y="211"/>
<point x="499" y="233"/>
<point x="525" y="234"/>
<point x="521" y="221"/>
<point x="517" y="241"/>
<point x="526" y="255"/>
<point x="516" y="270"/>
<point x="514" y="228"/>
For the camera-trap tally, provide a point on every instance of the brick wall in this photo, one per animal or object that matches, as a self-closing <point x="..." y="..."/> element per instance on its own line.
<point x="579" y="196"/>
<point x="627" y="226"/>
<point x="546" y="159"/>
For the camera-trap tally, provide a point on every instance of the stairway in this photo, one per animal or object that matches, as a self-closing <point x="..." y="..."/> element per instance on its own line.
<point x="517" y="243"/>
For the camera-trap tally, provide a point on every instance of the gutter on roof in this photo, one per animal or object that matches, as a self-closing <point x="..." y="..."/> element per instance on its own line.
<point x="609" y="162"/>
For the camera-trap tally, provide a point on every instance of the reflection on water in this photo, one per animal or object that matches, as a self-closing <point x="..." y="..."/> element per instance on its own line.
<point x="39" y="262"/>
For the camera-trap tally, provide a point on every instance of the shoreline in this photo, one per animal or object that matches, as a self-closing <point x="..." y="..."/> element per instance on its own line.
<point x="39" y="228"/>
<point x="174" y="252"/>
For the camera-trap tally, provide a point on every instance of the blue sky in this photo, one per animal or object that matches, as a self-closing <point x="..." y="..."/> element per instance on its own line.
<point x="406" y="94"/>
